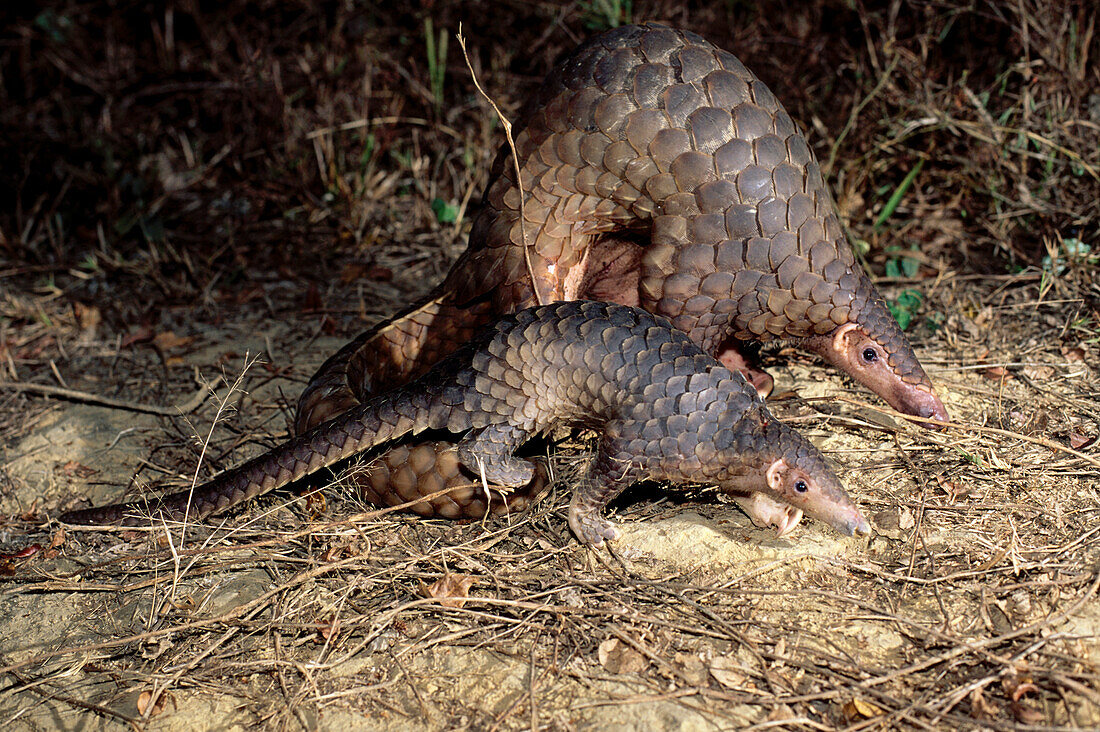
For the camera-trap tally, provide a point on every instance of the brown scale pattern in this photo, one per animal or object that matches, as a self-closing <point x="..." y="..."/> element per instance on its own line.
<point x="654" y="136"/>
<point x="665" y="409"/>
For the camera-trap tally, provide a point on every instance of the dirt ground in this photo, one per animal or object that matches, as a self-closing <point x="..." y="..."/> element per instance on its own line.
<point x="199" y="204"/>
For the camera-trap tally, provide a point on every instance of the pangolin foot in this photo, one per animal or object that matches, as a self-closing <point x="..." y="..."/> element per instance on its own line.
<point x="591" y="528"/>
<point x="767" y="512"/>
<point x="733" y="357"/>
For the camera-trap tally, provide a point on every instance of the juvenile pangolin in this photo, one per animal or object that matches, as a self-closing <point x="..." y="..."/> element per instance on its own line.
<point x="656" y="171"/>
<point x="663" y="408"/>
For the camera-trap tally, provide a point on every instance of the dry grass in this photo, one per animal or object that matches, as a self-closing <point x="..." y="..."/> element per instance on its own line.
<point x="179" y="175"/>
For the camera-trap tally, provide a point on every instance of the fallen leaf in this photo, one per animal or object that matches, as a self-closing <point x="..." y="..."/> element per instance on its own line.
<point x="1077" y="440"/>
<point x="362" y="271"/>
<point x="245" y="295"/>
<point x="25" y="553"/>
<point x="452" y="590"/>
<point x="979" y="707"/>
<point x="316" y="503"/>
<point x="158" y="706"/>
<point x="781" y="713"/>
<point x="1073" y="354"/>
<point x="691" y="667"/>
<point x="168" y="340"/>
<point x="727" y="672"/>
<point x="1026" y="715"/>
<point x="619" y="658"/>
<point x="72" y="468"/>
<point x="328" y="630"/>
<point x="312" y="301"/>
<point x="1025" y="688"/>
<point x="142" y="335"/>
<point x="88" y="317"/>
<point x="996" y="372"/>
<point x="31" y="514"/>
<point x="860" y="709"/>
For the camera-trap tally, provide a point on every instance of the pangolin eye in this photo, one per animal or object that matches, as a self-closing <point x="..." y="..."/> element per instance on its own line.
<point x="800" y="486"/>
<point x="870" y="355"/>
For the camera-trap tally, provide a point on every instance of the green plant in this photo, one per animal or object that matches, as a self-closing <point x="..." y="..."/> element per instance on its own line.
<point x="445" y="213"/>
<point x="902" y="266"/>
<point x="905" y="306"/>
<point x="56" y="26"/>
<point x="898" y="194"/>
<point x="604" y="14"/>
<point x="437" y="62"/>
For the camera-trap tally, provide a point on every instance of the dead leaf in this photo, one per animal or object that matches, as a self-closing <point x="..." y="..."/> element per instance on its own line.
<point x="979" y="707"/>
<point x="245" y="295"/>
<point x="1078" y="441"/>
<point x="158" y="706"/>
<point x="953" y="489"/>
<point x="860" y="709"/>
<point x="361" y="270"/>
<point x="452" y="590"/>
<point x="888" y="523"/>
<point x="73" y="468"/>
<point x="142" y="335"/>
<point x="781" y="713"/>
<point x="1073" y="354"/>
<point x="691" y="667"/>
<point x="996" y="372"/>
<point x="31" y="514"/>
<point x="88" y="317"/>
<point x="168" y="340"/>
<point x="727" y="672"/>
<point x="312" y="301"/>
<point x="1026" y="715"/>
<point x="57" y="540"/>
<point x="619" y="658"/>
<point x="328" y="630"/>
<point x="316" y="503"/>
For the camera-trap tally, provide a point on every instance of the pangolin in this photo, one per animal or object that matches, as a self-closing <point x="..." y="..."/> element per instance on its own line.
<point x="663" y="408"/>
<point x="656" y="170"/>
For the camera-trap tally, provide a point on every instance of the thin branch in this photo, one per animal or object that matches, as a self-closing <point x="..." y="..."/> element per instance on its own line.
<point x="515" y="160"/>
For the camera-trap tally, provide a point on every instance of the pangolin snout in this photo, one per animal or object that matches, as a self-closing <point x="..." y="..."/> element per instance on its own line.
<point x="921" y="403"/>
<point x="859" y="525"/>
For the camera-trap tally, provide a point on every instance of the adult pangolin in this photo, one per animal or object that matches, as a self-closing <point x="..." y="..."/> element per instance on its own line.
<point x="656" y="170"/>
<point x="664" y="410"/>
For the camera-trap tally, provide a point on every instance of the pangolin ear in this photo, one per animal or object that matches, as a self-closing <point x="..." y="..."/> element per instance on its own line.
<point x="776" y="472"/>
<point x="842" y="338"/>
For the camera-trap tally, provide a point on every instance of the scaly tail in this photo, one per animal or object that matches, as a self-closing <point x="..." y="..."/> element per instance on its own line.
<point x="380" y="420"/>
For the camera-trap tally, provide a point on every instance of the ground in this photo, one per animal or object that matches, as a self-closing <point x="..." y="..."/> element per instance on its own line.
<point x="201" y="203"/>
